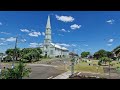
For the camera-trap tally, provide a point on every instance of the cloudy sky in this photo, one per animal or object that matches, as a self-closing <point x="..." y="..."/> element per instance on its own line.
<point x="76" y="30"/>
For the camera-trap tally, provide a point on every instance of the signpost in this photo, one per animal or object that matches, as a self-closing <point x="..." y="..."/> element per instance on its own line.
<point x="1" y="56"/>
<point x="72" y="65"/>
<point x="109" y="69"/>
<point x="64" y="64"/>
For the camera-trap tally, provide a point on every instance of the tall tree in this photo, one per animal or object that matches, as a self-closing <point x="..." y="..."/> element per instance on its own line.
<point x="11" y="52"/>
<point x="110" y="54"/>
<point x="85" y="54"/>
<point x="99" y="54"/>
<point x="31" y="54"/>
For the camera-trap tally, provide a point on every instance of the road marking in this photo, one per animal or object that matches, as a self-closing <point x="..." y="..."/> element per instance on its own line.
<point x="50" y="77"/>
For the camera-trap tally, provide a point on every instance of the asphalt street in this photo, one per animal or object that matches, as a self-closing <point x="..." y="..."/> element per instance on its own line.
<point x="45" y="71"/>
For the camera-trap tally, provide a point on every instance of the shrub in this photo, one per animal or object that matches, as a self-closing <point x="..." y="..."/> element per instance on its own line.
<point x="99" y="62"/>
<point x="7" y="58"/>
<point x="18" y="72"/>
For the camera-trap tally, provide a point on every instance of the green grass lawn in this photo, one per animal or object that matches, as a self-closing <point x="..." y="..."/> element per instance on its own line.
<point x="86" y="68"/>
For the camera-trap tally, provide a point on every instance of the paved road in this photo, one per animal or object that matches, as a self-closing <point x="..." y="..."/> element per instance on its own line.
<point x="44" y="71"/>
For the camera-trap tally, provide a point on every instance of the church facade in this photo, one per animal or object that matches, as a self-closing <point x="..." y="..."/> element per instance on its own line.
<point x="50" y="49"/>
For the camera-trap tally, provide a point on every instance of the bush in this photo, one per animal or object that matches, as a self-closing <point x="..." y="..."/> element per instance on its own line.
<point x="99" y="62"/>
<point x="7" y="59"/>
<point x="18" y="72"/>
<point x="25" y="60"/>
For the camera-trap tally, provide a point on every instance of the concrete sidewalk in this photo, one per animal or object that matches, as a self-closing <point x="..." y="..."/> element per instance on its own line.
<point x="63" y="76"/>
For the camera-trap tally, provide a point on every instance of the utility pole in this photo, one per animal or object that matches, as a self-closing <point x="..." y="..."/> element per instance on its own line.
<point x="0" y="63"/>
<point x="72" y="63"/>
<point x="109" y="69"/>
<point x="15" y="55"/>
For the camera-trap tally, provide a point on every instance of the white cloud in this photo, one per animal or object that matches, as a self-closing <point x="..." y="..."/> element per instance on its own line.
<point x="110" y="21"/>
<point x="63" y="30"/>
<point x="60" y="35"/>
<point x="68" y="31"/>
<point x="110" y="40"/>
<point x="75" y="26"/>
<point x="1" y="43"/>
<point x="11" y="39"/>
<point x="35" y="44"/>
<point x="109" y="44"/>
<point x="34" y="34"/>
<point x="23" y="40"/>
<point x="74" y="45"/>
<point x="5" y="33"/>
<point x="85" y="45"/>
<point x="90" y="48"/>
<point x="2" y="39"/>
<point x="24" y="30"/>
<point x="1" y="23"/>
<point x="63" y="44"/>
<point x="43" y="33"/>
<point x="65" y="18"/>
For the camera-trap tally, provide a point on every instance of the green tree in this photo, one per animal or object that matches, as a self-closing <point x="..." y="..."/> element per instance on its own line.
<point x="18" y="72"/>
<point x="105" y="60"/>
<point x="109" y="54"/>
<point x="31" y="54"/>
<point x="7" y="58"/>
<point x="26" y="54"/>
<point x="38" y="52"/>
<point x="99" y="54"/>
<point x="13" y="53"/>
<point x="85" y="54"/>
<point x="10" y="52"/>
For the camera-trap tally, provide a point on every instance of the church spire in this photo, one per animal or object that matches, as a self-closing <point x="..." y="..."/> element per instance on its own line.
<point x="48" y="23"/>
<point x="47" y="39"/>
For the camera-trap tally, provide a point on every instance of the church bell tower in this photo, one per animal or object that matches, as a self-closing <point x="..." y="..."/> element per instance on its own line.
<point x="47" y="39"/>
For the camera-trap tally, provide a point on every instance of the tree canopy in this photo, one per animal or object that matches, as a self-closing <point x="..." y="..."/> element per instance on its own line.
<point x="85" y="54"/>
<point x="27" y="54"/>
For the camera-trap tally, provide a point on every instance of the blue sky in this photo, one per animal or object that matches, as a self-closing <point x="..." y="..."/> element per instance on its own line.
<point x="76" y="30"/>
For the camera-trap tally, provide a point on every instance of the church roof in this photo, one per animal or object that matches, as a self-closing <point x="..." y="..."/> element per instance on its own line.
<point x="59" y="47"/>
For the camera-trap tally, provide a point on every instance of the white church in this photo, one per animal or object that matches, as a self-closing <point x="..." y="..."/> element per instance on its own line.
<point x="50" y="49"/>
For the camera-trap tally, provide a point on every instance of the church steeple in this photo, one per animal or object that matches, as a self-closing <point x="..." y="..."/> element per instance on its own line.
<point x="48" y="32"/>
<point x="48" y="23"/>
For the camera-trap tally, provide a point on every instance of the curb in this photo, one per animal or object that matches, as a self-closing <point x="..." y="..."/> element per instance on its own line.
<point x="63" y="75"/>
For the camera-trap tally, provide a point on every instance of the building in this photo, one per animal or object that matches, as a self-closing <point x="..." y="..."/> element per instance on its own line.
<point x="50" y="49"/>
